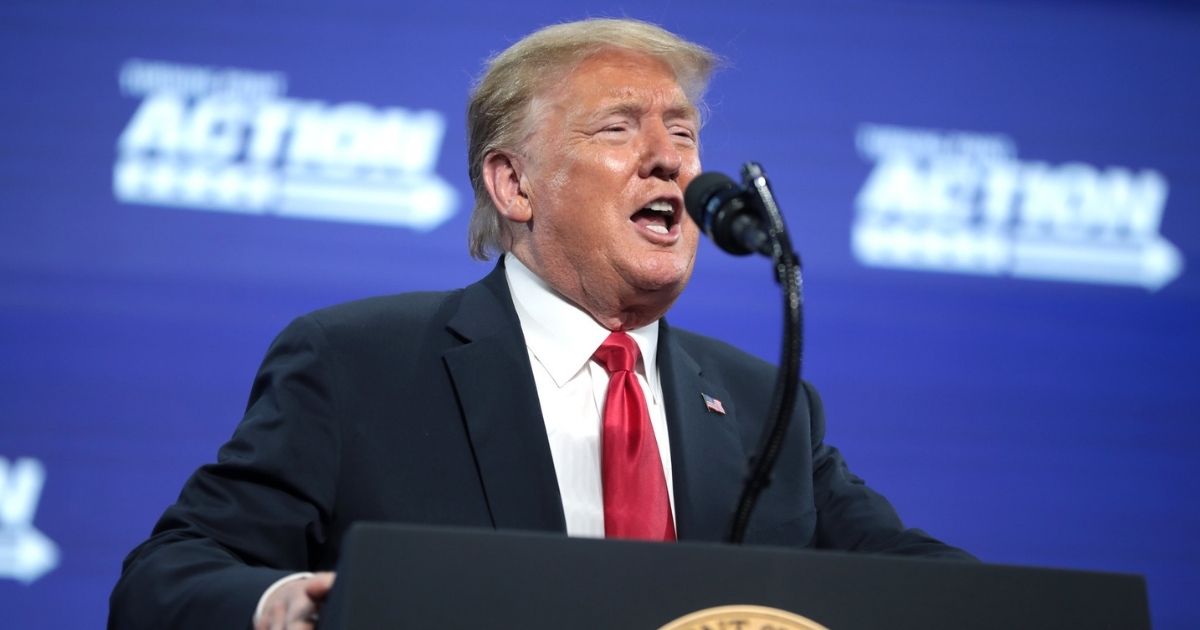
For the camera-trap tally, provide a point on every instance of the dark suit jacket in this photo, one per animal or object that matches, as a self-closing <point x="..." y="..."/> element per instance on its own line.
<point x="421" y="408"/>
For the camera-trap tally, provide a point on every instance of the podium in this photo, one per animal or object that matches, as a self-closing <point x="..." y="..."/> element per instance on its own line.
<point x="394" y="576"/>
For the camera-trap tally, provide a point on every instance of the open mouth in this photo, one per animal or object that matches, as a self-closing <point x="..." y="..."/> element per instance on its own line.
<point x="657" y="216"/>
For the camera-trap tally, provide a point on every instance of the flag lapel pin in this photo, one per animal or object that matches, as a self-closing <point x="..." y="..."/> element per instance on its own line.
<point x="712" y="404"/>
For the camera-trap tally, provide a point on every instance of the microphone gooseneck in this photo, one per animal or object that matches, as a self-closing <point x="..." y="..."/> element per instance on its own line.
<point x="742" y="220"/>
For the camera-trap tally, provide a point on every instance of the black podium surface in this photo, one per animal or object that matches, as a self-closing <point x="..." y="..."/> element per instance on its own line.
<point x="394" y="576"/>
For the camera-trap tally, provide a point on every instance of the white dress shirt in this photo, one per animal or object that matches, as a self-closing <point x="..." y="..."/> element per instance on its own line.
<point x="561" y="339"/>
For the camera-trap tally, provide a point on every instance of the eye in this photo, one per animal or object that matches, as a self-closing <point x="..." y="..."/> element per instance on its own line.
<point x="684" y="133"/>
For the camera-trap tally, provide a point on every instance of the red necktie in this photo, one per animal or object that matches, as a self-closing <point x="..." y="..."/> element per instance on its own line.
<point x="636" y="504"/>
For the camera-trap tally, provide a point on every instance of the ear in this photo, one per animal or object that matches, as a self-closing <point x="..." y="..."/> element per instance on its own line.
<point x="503" y="178"/>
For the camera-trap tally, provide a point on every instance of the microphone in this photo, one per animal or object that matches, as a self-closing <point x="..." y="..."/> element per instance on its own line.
<point x="725" y="212"/>
<point x="742" y="220"/>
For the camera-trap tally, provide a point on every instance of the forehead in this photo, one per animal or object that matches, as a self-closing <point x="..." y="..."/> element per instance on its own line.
<point x="621" y="79"/>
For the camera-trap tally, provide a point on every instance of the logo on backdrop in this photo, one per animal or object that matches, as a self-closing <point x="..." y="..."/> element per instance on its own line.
<point x="25" y="553"/>
<point x="229" y="140"/>
<point x="962" y="202"/>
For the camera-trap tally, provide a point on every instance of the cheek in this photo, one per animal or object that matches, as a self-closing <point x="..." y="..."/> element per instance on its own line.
<point x="553" y="184"/>
<point x="692" y="238"/>
<point x="691" y="161"/>
<point x="597" y="186"/>
<point x="579" y="175"/>
<point x="614" y="163"/>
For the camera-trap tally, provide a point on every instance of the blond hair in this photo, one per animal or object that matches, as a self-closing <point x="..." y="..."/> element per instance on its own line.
<point x="499" y="108"/>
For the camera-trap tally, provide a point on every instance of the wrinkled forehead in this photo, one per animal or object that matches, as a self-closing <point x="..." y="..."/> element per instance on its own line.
<point x="636" y="101"/>
<point x="614" y="80"/>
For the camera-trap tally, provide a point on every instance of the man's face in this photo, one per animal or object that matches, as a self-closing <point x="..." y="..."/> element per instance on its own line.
<point x="613" y="147"/>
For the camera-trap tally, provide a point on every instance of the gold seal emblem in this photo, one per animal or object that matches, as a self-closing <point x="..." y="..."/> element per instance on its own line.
<point x="742" y="617"/>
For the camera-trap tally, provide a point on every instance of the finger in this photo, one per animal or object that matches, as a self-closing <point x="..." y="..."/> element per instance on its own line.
<point x="274" y="616"/>
<point x="319" y="585"/>
<point x="304" y="622"/>
<point x="301" y="614"/>
<point x="262" y="621"/>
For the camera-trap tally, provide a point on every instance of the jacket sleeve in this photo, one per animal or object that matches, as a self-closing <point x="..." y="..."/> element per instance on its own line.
<point x="255" y="515"/>
<point x="852" y="516"/>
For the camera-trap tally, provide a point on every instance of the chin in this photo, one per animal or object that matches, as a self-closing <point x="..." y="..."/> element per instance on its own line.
<point x="663" y="275"/>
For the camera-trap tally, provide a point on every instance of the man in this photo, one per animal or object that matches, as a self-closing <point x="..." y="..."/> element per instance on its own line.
<point x="494" y="406"/>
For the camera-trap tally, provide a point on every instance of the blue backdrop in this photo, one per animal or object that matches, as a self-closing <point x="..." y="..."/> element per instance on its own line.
<point x="996" y="204"/>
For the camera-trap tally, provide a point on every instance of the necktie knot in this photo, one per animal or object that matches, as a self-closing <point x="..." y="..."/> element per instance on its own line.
<point x="618" y="353"/>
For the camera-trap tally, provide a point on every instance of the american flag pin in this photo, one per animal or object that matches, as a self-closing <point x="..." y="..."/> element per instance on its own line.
<point x="712" y="404"/>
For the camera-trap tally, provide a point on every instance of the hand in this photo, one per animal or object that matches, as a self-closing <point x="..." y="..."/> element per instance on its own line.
<point x="294" y="605"/>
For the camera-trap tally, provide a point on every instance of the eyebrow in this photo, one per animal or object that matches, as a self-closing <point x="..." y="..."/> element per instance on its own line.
<point x="635" y="110"/>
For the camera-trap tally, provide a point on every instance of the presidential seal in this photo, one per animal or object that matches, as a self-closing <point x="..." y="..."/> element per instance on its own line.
<point x="742" y="617"/>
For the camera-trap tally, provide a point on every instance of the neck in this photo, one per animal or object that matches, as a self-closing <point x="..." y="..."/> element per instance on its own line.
<point x="624" y="313"/>
<point x="626" y="308"/>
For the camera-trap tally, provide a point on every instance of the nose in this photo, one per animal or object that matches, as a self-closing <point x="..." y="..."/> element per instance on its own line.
<point x="661" y="156"/>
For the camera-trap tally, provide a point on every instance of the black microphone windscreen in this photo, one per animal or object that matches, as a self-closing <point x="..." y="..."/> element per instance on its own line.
<point x="701" y="190"/>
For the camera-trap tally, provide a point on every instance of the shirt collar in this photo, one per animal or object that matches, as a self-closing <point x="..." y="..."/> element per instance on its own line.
<point x="562" y="336"/>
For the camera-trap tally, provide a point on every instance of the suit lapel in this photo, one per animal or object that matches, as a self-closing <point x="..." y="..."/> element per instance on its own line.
<point x="707" y="457"/>
<point x="496" y="392"/>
